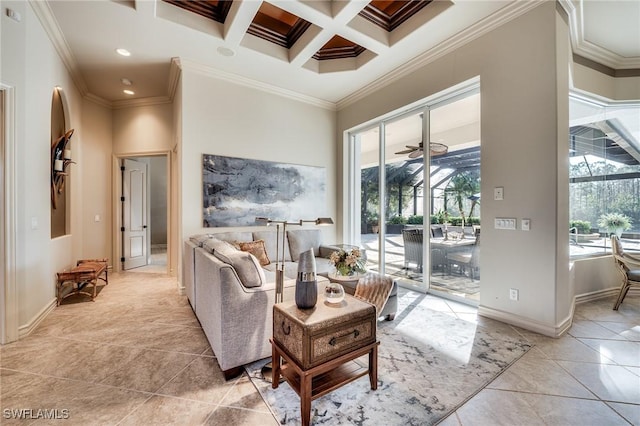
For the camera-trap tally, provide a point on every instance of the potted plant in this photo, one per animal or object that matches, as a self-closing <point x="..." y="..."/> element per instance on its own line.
<point x="615" y="223"/>
<point x="395" y="224"/>
<point x="373" y="222"/>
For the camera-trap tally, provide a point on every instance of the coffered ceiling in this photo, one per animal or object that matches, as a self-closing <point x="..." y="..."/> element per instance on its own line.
<point x="324" y="52"/>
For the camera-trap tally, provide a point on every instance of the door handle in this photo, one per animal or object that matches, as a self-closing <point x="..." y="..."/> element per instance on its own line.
<point x="144" y="226"/>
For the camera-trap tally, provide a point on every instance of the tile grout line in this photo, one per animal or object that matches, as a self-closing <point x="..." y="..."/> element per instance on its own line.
<point x="70" y="339"/>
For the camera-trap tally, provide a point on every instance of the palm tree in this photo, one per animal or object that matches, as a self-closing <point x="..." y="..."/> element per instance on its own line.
<point x="461" y="187"/>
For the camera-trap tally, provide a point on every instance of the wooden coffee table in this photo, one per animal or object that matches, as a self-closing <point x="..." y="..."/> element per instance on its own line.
<point x="319" y="346"/>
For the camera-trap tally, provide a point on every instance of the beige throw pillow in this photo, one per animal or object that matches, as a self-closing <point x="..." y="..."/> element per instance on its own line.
<point x="256" y="248"/>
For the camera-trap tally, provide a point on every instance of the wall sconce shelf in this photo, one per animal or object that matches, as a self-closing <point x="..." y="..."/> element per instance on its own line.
<point x="60" y="161"/>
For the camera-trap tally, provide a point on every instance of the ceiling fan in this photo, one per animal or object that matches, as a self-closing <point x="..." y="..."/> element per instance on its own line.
<point x="435" y="149"/>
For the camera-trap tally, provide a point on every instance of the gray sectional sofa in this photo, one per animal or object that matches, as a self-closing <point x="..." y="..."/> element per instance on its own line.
<point x="233" y="294"/>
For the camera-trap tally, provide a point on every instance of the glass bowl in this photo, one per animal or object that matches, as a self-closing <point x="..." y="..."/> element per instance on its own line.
<point x="334" y="293"/>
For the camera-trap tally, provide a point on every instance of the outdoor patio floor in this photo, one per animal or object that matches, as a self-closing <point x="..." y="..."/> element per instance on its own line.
<point x="453" y="284"/>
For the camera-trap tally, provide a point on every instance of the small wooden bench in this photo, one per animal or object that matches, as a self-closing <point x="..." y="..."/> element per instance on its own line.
<point x="86" y="272"/>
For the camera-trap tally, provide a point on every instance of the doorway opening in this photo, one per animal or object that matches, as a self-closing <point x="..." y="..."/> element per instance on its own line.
<point x="143" y="199"/>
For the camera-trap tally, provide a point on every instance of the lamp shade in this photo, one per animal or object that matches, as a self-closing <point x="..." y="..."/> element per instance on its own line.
<point x="263" y="221"/>
<point x="324" y="221"/>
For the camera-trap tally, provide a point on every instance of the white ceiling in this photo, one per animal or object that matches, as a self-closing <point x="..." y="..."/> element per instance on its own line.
<point x="86" y="33"/>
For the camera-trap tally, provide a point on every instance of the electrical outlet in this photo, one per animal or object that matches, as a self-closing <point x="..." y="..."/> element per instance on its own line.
<point x="514" y="294"/>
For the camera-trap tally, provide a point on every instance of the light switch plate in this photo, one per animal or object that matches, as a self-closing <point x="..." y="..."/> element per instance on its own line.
<point x="498" y="193"/>
<point x="505" y="223"/>
<point x="525" y="224"/>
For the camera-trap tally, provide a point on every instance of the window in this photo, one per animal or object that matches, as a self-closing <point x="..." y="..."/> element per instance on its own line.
<point x="604" y="174"/>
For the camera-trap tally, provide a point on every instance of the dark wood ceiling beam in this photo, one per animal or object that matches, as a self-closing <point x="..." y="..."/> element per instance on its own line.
<point x="391" y="22"/>
<point x="212" y="9"/>
<point x="338" y="52"/>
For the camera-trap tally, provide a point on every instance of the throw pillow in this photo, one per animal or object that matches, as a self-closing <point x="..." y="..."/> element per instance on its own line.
<point x="213" y="244"/>
<point x="257" y="249"/>
<point x="301" y="240"/>
<point x="245" y="264"/>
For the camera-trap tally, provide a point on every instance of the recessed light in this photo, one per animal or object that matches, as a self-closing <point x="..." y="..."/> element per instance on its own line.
<point x="225" y="51"/>
<point x="123" y="52"/>
<point x="129" y="92"/>
<point x="126" y="81"/>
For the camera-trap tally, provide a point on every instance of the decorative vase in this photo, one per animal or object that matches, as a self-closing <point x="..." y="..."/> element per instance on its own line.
<point x="344" y="271"/>
<point x="306" y="283"/>
<point x="334" y="293"/>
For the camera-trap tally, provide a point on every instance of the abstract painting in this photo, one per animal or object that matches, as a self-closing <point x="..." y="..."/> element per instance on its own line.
<point x="237" y="190"/>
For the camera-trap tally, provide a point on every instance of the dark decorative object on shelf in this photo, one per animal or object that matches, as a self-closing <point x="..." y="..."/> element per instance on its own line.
<point x="60" y="160"/>
<point x="306" y="283"/>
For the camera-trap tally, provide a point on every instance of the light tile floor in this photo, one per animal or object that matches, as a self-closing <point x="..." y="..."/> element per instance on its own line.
<point x="137" y="355"/>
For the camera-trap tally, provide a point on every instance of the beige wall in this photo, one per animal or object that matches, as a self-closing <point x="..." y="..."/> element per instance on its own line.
<point x="32" y="66"/>
<point x="96" y="175"/>
<point x="595" y="275"/>
<point x="142" y="129"/>
<point x="594" y="82"/>
<point x="222" y="118"/>
<point x="524" y="129"/>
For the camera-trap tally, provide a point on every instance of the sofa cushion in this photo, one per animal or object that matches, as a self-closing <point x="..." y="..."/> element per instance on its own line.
<point x="257" y="249"/>
<point x="269" y="238"/>
<point x="245" y="264"/>
<point x="301" y="240"/>
<point x="324" y="267"/>
<point x="213" y="244"/>
<point x="232" y="236"/>
<point x="199" y="239"/>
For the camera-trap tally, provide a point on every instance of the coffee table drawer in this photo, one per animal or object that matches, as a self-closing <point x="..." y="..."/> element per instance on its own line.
<point x="341" y="340"/>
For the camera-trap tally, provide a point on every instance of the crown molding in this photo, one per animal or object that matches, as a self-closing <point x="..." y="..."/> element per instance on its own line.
<point x="98" y="100"/>
<point x="501" y="17"/>
<point x="175" y="70"/>
<point x="586" y="48"/>
<point x="44" y="13"/>
<point x="141" y="102"/>
<point x="258" y="85"/>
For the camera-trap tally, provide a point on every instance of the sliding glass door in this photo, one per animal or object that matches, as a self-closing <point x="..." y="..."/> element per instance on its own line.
<point x="402" y="193"/>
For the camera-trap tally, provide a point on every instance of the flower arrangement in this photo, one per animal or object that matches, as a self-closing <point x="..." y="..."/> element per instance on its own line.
<point x="348" y="262"/>
<point x="614" y="222"/>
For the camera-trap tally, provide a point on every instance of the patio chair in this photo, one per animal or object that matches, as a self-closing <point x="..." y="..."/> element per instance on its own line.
<point x="436" y="231"/>
<point x="467" y="260"/>
<point x="413" y="242"/>
<point x="629" y="268"/>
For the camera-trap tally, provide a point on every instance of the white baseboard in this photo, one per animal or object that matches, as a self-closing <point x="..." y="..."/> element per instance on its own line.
<point x="595" y="295"/>
<point x="527" y="323"/>
<point x="548" y="330"/>
<point x="25" y="330"/>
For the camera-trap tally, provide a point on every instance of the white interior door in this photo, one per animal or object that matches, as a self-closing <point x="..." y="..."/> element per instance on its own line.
<point x="134" y="212"/>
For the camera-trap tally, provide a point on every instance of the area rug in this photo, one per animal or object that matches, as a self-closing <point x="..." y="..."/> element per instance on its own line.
<point x="429" y="363"/>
